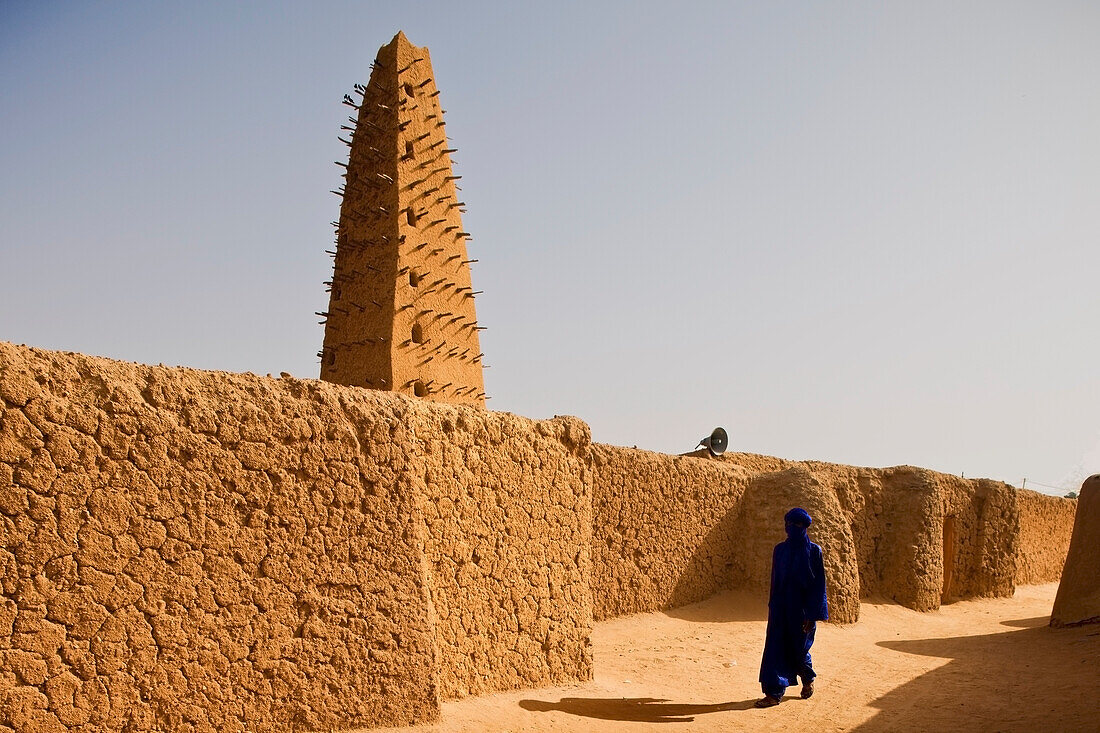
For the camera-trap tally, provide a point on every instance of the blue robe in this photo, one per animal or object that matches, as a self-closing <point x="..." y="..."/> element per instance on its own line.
<point x="797" y="595"/>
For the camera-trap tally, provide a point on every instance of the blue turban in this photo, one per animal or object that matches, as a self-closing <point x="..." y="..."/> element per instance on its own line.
<point x="798" y="516"/>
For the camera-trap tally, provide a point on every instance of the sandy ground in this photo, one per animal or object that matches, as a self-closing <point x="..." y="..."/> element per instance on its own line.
<point x="983" y="665"/>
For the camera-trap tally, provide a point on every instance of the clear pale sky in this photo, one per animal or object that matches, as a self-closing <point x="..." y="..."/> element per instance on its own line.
<point x="866" y="233"/>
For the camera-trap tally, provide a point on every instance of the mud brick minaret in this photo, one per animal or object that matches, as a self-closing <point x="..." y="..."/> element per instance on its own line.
<point x="401" y="309"/>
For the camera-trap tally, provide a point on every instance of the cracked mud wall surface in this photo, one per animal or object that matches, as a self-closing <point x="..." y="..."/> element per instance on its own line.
<point x="193" y="550"/>
<point x="202" y="551"/>
<point x="760" y="527"/>
<point x="663" y="529"/>
<point x="670" y="530"/>
<point x="985" y="515"/>
<point x="886" y="527"/>
<point x="509" y="522"/>
<point x="1046" y="526"/>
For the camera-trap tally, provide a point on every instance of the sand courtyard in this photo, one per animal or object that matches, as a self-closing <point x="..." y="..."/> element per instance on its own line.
<point x="975" y="665"/>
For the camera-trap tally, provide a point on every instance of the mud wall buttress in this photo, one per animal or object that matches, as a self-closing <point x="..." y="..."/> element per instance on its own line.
<point x="911" y="569"/>
<point x="760" y="526"/>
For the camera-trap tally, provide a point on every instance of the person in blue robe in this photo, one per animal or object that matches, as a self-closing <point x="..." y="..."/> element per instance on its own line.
<point x="797" y="602"/>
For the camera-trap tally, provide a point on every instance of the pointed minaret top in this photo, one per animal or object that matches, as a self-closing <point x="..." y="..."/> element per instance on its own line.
<point x="401" y="313"/>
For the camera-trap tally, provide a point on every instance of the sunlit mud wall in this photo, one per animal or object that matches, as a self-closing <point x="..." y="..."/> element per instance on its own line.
<point x="228" y="552"/>
<point x="509" y="524"/>
<point x="670" y="530"/>
<point x="1046" y="525"/>
<point x="663" y="532"/>
<point x="199" y="550"/>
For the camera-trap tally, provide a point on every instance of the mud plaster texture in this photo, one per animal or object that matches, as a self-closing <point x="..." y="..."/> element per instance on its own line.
<point x="1046" y="526"/>
<point x="1078" y="599"/>
<point x="509" y="522"/>
<point x="670" y="530"/>
<point x="663" y="529"/>
<point x="401" y="306"/>
<point x="190" y="550"/>
<point x="196" y="551"/>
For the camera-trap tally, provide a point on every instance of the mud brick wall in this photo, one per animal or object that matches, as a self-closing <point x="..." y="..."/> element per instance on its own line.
<point x="191" y="551"/>
<point x="670" y="530"/>
<point x="986" y="534"/>
<point x="1046" y="525"/>
<point x="209" y="552"/>
<point x="663" y="529"/>
<point x="876" y="528"/>
<point x="509" y="522"/>
<point x="242" y="542"/>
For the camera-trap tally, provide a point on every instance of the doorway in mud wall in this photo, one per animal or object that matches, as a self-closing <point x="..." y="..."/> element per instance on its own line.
<point x="948" y="557"/>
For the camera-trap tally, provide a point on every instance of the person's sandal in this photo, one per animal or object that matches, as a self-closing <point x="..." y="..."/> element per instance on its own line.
<point x="808" y="689"/>
<point x="767" y="701"/>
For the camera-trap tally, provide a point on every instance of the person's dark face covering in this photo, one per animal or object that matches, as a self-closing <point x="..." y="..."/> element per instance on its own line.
<point x="797" y="521"/>
<point x="796" y="531"/>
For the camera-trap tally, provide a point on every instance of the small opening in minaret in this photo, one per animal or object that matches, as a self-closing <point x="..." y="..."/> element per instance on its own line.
<point x="408" y="90"/>
<point x="420" y="389"/>
<point x="410" y="215"/>
<point x="418" y="334"/>
<point x="415" y="278"/>
<point x="330" y="358"/>
<point x="336" y="294"/>
<point x="409" y="152"/>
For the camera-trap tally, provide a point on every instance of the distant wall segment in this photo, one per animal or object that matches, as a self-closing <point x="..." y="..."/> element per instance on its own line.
<point x="1046" y="526"/>
<point x="670" y="530"/>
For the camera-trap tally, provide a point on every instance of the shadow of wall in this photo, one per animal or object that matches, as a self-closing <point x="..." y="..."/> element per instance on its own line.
<point x="1050" y="685"/>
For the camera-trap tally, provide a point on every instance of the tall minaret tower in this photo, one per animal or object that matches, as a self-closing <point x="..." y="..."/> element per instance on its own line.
<point x="401" y="310"/>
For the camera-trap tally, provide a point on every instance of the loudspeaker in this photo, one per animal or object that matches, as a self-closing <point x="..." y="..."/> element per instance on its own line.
<point x="716" y="442"/>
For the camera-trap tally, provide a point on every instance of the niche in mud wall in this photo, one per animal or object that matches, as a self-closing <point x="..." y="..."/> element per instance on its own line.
<point x="949" y="544"/>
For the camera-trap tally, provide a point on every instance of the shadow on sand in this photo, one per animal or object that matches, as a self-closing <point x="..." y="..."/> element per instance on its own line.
<point x="1028" y="623"/>
<point x="1036" y="678"/>
<point x="633" y="709"/>
<point x="727" y="606"/>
